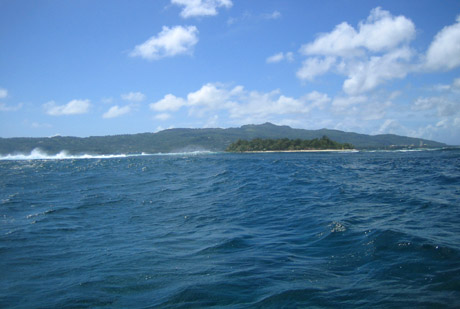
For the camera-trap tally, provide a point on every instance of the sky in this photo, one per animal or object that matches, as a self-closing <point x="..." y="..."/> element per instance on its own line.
<point x="106" y="67"/>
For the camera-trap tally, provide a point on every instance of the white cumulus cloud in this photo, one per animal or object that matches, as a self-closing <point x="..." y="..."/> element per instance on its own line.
<point x="444" y="52"/>
<point x="380" y="32"/>
<point x="116" y="111"/>
<point x="168" y="43"/>
<point x="239" y="103"/>
<point x="375" y="52"/>
<point x="133" y="96"/>
<point x="213" y="96"/>
<point x="367" y="75"/>
<point x="196" y="8"/>
<point x="262" y="105"/>
<point x="312" y="67"/>
<point x="168" y="103"/>
<point x="74" y="107"/>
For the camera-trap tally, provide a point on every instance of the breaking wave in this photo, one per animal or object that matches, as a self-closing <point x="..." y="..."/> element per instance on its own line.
<point x="38" y="154"/>
<point x="185" y="153"/>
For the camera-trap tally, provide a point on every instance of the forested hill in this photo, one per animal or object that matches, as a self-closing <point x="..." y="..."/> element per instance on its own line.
<point x="178" y="140"/>
<point x="285" y="144"/>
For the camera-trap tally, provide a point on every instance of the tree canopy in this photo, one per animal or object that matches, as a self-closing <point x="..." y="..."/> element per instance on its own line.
<point x="283" y="144"/>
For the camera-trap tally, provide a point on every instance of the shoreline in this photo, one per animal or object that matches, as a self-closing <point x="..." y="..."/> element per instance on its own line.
<point x="304" y="150"/>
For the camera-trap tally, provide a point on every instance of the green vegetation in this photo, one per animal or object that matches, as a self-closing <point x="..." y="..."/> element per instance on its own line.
<point x="283" y="144"/>
<point x="178" y="140"/>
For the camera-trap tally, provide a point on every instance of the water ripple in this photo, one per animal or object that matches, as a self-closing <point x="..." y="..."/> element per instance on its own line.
<point x="232" y="230"/>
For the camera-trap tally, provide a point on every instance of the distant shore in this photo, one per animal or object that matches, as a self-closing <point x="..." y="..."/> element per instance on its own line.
<point x="304" y="150"/>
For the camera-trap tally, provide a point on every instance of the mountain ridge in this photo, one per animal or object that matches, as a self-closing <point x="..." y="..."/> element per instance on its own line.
<point x="190" y="139"/>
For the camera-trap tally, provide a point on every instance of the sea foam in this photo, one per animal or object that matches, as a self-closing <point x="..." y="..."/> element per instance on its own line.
<point x="38" y="154"/>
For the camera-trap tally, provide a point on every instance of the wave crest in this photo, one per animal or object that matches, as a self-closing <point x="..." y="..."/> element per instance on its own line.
<point x="38" y="154"/>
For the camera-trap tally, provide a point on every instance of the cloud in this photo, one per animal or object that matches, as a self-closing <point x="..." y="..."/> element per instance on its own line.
<point x="163" y="116"/>
<point x="362" y="108"/>
<point x="168" y="103"/>
<point x="196" y="8"/>
<point x="339" y="42"/>
<point x="213" y="96"/>
<point x="342" y="103"/>
<point x="3" y="93"/>
<point x="9" y="108"/>
<point x="107" y="100"/>
<point x="390" y="126"/>
<point x="376" y="52"/>
<point x="273" y="15"/>
<point x="442" y="106"/>
<point x="240" y="103"/>
<point x="249" y="17"/>
<point x="380" y="32"/>
<point x="262" y="105"/>
<point x="133" y="96"/>
<point x="218" y="104"/>
<point x="313" y="67"/>
<point x="116" y="111"/>
<point x="275" y="58"/>
<point x="422" y="104"/>
<point x="441" y="115"/>
<point x="158" y="129"/>
<point x="367" y="75"/>
<point x="212" y="122"/>
<point x="168" y="43"/>
<point x="38" y="125"/>
<point x="443" y="53"/>
<point x="74" y="107"/>
<point x="454" y="87"/>
<point x="317" y="99"/>
<point x="280" y="57"/>
<point x="456" y="84"/>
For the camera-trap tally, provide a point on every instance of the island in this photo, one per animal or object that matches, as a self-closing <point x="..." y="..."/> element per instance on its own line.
<point x="287" y="145"/>
<point x="207" y="139"/>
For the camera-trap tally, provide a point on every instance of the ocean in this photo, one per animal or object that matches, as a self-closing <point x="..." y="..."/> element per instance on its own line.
<point x="197" y="230"/>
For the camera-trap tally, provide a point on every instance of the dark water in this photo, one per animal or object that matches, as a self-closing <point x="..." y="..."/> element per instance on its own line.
<point x="272" y="230"/>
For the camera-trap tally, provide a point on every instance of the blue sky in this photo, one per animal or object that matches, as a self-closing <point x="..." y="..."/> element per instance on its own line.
<point x="85" y="68"/>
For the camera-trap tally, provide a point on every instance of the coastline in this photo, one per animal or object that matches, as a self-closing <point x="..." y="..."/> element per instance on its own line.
<point x="304" y="150"/>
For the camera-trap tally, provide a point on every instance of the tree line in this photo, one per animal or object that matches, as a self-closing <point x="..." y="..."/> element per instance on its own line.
<point x="259" y="144"/>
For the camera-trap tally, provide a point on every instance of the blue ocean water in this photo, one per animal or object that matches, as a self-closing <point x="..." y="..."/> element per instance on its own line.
<point x="276" y="230"/>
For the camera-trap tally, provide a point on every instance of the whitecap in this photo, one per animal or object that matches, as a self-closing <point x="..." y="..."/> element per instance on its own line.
<point x="38" y="154"/>
<point x="187" y="153"/>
